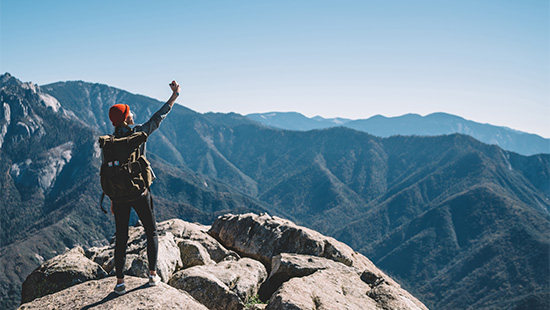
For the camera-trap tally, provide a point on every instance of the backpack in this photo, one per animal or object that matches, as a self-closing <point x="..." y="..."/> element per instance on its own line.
<point x="125" y="173"/>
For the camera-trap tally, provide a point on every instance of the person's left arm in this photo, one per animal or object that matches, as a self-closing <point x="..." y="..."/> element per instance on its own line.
<point x="154" y="122"/>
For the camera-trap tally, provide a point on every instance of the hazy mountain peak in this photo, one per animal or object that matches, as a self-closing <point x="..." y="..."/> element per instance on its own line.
<point x="295" y="120"/>
<point x="444" y="115"/>
<point x="8" y="79"/>
<point x="433" y="124"/>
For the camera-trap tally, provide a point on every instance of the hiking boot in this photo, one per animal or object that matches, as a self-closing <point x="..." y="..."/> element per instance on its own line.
<point x="154" y="280"/>
<point x="120" y="289"/>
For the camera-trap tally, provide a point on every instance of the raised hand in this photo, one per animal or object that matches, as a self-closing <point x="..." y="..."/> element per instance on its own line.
<point x="175" y="87"/>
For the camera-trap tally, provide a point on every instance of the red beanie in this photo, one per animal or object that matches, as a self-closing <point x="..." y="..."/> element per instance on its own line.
<point x="118" y="113"/>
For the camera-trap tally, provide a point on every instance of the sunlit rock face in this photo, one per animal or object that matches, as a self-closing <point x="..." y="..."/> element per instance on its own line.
<point x="43" y="172"/>
<point x="230" y="282"/>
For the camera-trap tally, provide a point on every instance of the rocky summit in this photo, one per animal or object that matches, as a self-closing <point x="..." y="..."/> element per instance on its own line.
<point x="246" y="261"/>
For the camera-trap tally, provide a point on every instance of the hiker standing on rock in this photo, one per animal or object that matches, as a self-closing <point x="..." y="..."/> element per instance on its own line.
<point x="126" y="177"/>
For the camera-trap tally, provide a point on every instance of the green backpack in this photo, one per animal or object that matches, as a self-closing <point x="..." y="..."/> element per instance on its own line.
<point x="125" y="173"/>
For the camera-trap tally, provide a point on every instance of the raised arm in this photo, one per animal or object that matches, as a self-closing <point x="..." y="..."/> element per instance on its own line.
<point x="154" y="122"/>
<point x="175" y="93"/>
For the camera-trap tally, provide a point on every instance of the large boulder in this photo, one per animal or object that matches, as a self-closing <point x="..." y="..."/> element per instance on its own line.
<point x="103" y="256"/>
<point x="346" y="279"/>
<point x="98" y="295"/>
<point x="223" y="281"/>
<point x="262" y="237"/>
<point x="207" y="289"/>
<point x="324" y="289"/>
<point x="244" y="277"/>
<point x="199" y="233"/>
<point x="308" y="282"/>
<point x="168" y="261"/>
<point x="135" y="265"/>
<point x="59" y="273"/>
<point x="287" y="266"/>
<point x="137" y="240"/>
<point x="391" y="297"/>
<point x="193" y="253"/>
<point x="196" y="247"/>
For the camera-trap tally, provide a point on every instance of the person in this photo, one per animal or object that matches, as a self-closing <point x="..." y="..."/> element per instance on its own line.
<point x="121" y="117"/>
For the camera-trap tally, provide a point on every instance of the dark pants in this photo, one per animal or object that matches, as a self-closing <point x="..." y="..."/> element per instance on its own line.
<point x="144" y="209"/>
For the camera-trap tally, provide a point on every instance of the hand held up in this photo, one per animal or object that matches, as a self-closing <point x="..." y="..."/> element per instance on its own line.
<point x="175" y="87"/>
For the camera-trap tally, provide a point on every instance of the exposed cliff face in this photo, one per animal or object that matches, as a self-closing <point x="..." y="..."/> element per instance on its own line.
<point x="223" y="267"/>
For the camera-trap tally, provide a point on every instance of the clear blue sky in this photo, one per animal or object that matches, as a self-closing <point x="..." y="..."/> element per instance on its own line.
<point x="485" y="60"/>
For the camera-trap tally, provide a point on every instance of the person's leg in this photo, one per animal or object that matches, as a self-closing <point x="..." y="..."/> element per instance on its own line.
<point x="145" y="210"/>
<point x="122" y="216"/>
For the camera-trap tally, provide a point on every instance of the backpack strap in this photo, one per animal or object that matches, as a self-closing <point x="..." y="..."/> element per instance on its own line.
<point x="101" y="203"/>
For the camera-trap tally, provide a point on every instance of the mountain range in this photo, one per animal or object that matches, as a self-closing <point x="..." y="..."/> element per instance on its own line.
<point x="434" y="124"/>
<point x="459" y="223"/>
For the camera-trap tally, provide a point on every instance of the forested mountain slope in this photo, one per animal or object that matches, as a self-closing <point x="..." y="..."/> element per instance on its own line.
<point x="460" y="223"/>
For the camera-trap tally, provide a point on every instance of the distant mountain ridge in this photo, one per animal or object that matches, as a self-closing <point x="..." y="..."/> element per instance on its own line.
<point x="434" y="124"/>
<point x="296" y="121"/>
<point x="460" y="224"/>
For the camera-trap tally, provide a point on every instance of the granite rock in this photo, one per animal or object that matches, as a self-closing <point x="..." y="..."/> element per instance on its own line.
<point x="99" y="295"/>
<point x="59" y="273"/>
